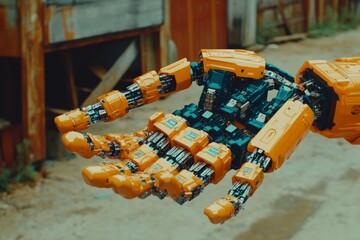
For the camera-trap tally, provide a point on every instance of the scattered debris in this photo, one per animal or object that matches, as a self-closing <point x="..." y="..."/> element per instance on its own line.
<point x="288" y="38"/>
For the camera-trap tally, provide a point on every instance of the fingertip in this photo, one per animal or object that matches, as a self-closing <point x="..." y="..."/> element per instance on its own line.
<point x="123" y="186"/>
<point x="95" y="176"/>
<point x="77" y="143"/>
<point x="219" y="211"/>
<point x="63" y="123"/>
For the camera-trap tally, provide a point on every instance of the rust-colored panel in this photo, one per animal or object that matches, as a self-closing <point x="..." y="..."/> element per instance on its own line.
<point x="8" y="147"/>
<point x="32" y="57"/>
<point x="198" y="24"/>
<point x="2" y="161"/>
<point x="10" y="137"/>
<point x="9" y="35"/>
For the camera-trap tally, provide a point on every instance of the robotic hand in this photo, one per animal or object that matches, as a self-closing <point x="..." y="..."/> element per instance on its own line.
<point x="236" y="125"/>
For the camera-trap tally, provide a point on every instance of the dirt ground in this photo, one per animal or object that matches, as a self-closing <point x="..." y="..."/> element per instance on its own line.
<point x="313" y="196"/>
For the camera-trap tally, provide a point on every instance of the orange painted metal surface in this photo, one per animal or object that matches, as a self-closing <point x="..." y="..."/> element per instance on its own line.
<point x="283" y="132"/>
<point x="218" y="156"/>
<point x="221" y="210"/>
<point x="9" y="32"/>
<point x="343" y="76"/>
<point x="185" y="181"/>
<point x="196" y="25"/>
<point x="170" y="125"/>
<point x="240" y="62"/>
<point x="251" y="174"/>
<point x="114" y="103"/>
<point x="191" y="139"/>
<point x="74" y="120"/>
<point x="143" y="157"/>
<point x="181" y="71"/>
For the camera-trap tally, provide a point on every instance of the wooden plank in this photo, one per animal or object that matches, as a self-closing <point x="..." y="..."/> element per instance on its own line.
<point x="335" y="7"/>
<point x="84" y="89"/>
<point x="56" y="111"/>
<point x="97" y="70"/>
<point x="99" y="39"/>
<point x="309" y="13"/>
<point x="288" y="38"/>
<point x="71" y="21"/>
<point x="70" y="78"/>
<point x="165" y="36"/>
<point x="150" y="52"/>
<point x="281" y="9"/>
<point x="320" y="11"/>
<point x="114" y="74"/>
<point x="32" y="57"/>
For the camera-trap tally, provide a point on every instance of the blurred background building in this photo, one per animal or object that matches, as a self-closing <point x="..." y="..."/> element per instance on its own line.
<point x="57" y="55"/>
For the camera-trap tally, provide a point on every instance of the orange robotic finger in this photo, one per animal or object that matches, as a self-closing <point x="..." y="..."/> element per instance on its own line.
<point x="211" y="165"/>
<point x="146" y="89"/>
<point x="109" y="106"/>
<point x="218" y="156"/>
<point x="141" y="184"/>
<point x="76" y="142"/>
<point x="270" y="147"/>
<point x="283" y="132"/>
<point x="245" y="182"/>
<point x="222" y="209"/>
<point x="75" y="120"/>
<point x="185" y="144"/>
<point x="98" y="175"/>
<point x="111" y="145"/>
<point x="114" y="103"/>
<point x="182" y="187"/>
<point x="251" y="174"/>
<point x="129" y="187"/>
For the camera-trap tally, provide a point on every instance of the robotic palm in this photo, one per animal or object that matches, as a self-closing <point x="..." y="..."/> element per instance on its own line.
<point x="236" y="125"/>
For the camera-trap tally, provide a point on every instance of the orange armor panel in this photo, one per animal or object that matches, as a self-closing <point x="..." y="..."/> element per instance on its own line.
<point x="221" y="210"/>
<point x="98" y="175"/>
<point x="114" y="103"/>
<point x="343" y="76"/>
<point x="170" y="125"/>
<point x="153" y="118"/>
<point x="161" y="165"/>
<point x="283" y="132"/>
<point x="143" y="157"/>
<point x="251" y="174"/>
<point x="127" y="143"/>
<point x="191" y="139"/>
<point x="218" y="156"/>
<point x="181" y="71"/>
<point x="149" y="84"/>
<point x="131" y="186"/>
<point x="243" y="63"/>
<point x="74" y="120"/>
<point x="188" y="182"/>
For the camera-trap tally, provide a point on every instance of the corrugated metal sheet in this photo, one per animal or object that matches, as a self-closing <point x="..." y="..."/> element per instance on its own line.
<point x="198" y="24"/>
<point x="71" y="20"/>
